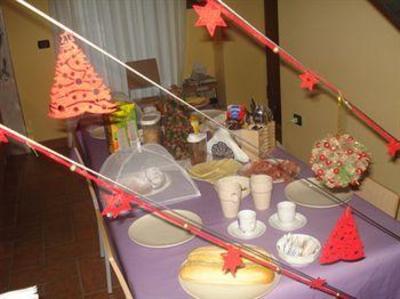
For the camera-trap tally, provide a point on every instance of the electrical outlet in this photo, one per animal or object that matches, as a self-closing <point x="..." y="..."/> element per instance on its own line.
<point x="297" y="119"/>
<point x="43" y="44"/>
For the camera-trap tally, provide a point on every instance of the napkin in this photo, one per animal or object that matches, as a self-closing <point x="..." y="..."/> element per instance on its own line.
<point x="27" y="293"/>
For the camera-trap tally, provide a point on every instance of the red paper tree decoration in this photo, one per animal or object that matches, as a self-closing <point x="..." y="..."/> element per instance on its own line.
<point x="117" y="204"/>
<point x="232" y="260"/>
<point x="209" y="16"/>
<point x="308" y="80"/>
<point x="344" y="242"/>
<point x="3" y="137"/>
<point x="77" y="88"/>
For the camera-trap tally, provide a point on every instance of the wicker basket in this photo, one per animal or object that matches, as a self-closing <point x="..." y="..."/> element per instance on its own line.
<point x="263" y="141"/>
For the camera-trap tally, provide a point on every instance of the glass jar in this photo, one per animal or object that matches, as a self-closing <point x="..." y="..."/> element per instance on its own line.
<point x="151" y="127"/>
<point x="198" y="148"/>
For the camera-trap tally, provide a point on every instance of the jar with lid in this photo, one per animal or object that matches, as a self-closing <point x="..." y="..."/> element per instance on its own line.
<point x="151" y="127"/>
<point x="198" y="148"/>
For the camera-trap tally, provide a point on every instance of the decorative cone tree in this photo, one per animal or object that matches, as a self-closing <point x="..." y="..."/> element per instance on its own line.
<point x="177" y="128"/>
<point x="77" y="88"/>
<point x="344" y="243"/>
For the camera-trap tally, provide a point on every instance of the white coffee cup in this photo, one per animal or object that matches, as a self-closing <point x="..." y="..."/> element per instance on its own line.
<point x="247" y="221"/>
<point x="286" y="211"/>
<point x="229" y="196"/>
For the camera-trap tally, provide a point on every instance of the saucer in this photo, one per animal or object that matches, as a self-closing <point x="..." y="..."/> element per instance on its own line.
<point x="299" y="221"/>
<point x="234" y="230"/>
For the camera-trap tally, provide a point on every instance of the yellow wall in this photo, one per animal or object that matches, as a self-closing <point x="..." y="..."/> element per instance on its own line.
<point x="244" y="60"/>
<point x="354" y="46"/>
<point x="237" y="62"/>
<point x="199" y="46"/>
<point x="34" y="68"/>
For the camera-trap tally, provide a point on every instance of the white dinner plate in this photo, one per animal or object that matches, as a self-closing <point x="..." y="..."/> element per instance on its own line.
<point x="306" y="194"/>
<point x="151" y="231"/>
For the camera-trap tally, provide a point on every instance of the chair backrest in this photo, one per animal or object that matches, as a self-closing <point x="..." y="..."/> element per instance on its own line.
<point x="379" y="196"/>
<point x="147" y="67"/>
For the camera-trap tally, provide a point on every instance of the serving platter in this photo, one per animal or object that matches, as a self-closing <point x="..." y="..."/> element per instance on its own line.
<point x="213" y="291"/>
<point x="213" y="170"/>
<point x="208" y="291"/>
<point x="275" y="168"/>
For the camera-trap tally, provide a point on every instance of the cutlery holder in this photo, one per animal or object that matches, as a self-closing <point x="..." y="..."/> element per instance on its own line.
<point x="263" y="141"/>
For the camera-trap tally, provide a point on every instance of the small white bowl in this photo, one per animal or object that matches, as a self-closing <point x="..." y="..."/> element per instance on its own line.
<point x="243" y="181"/>
<point x="299" y="260"/>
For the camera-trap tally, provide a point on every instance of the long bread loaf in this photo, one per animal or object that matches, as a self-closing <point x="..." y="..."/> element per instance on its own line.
<point x="204" y="265"/>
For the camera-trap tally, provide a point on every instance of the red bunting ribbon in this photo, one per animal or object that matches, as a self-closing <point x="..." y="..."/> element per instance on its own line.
<point x="308" y="78"/>
<point x="393" y="147"/>
<point x="209" y="16"/>
<point x="122" y="201"/>
<point x="3" y="137"/>
<point x="117" y="204"/>
<point x="232" y="260"/>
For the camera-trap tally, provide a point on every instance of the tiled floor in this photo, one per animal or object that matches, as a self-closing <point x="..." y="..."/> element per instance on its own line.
<point x="48" y="233"/>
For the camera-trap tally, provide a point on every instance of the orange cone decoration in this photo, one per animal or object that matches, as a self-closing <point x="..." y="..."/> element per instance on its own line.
<point x="77" y="88"/>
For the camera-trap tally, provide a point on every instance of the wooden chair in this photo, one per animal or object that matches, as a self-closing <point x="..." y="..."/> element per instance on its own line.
<point x="110" y="258"/>
<point x="149" y="68"/>
<point x="379" y="196"/>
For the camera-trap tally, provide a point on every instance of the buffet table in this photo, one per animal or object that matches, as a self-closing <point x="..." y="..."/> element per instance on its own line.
<point x="153" y="273"/>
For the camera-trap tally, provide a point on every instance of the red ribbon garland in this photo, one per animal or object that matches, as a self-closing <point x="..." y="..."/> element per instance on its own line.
<point x="393" y="144"/>
<point x="122" y="197"/>
<point x="3" y="137"/>
<point x="393" y="147"/>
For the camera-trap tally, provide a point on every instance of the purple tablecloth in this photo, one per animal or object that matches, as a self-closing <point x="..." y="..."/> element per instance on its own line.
<point x="153" y="273"/>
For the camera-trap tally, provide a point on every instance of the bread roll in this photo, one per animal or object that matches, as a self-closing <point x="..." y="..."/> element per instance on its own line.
<point x="204" y="265"/>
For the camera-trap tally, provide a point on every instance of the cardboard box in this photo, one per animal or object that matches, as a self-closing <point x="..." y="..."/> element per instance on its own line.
<point x="121" y="127"/>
